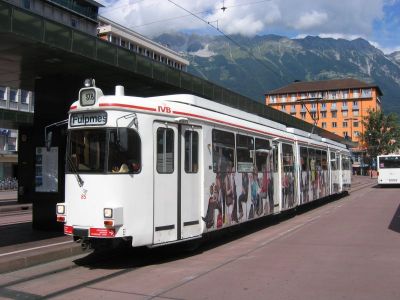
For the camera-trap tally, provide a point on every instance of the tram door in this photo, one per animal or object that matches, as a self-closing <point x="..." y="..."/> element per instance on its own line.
<point x="165" y="182"/>
<point x="191" y="140"/>
<point x="177" y="182"/>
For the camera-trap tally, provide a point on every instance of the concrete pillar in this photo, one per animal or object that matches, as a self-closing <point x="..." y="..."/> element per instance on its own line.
<point x="53" y="97"/>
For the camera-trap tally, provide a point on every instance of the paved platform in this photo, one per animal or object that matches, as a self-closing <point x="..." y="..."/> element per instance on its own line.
<point x="21" y="246"/>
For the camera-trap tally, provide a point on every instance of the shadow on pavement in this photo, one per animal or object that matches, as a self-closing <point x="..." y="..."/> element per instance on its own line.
<point x="131" y="258"/>
<point x="23" y="233"/>
<point x="395" y="223"/>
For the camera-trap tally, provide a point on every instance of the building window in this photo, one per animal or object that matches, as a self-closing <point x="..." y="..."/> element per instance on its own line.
<point x="344" y="124"/>
<point x="345" y="134"/>
<point x="293" y="97"/>
<point x="303" y="115"/>
<point x="283" y="98"/>
<point x="355" y="123"/>
<point x="345" y="94"/>
<point x="13" y="95"/>
<point x="323" y="105"/>
<point x="313" y="115"/>
<point x="355" y="93"/>
<point x="355" y="103"/>
<point x="26" y="4"/>
<point x="273" y="99"/>
<point x="355" y="113"/>
<point x="323" y="114"/>
<point x="344" y="113"/>
<point x="303" y="106"/>
<point x="334" y="114"/>
<point x="303" y="95"/>
<point x="366" y="93"/>
<point x="334" y="124"/>
<point x="74" y="23"/>
<point x="283" y="107"/>
<point x="356" y="133"/>
<point x="24" y="97"/>
<point x="123" y="43"/>
<point x="294" y="107"/>
<point x="314" y="105"/>
<point x="323" y="124"/>
<point x="2" y="93"/>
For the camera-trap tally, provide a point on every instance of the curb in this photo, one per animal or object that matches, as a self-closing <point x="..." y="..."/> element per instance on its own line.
<point x="17" y="207"/>
<point x="21" y="262"/>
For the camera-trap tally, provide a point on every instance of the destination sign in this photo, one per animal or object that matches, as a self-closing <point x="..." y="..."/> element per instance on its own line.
<point x="88" y="119"/>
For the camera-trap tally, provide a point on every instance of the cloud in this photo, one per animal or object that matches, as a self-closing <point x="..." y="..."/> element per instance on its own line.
<point x="311" y="19"/>
<point x="153" y="17"/>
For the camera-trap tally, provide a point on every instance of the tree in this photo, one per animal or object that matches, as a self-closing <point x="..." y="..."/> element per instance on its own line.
<point x="382" y="134"/>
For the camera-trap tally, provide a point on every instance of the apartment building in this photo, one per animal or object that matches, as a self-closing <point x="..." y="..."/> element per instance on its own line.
<point x="135" y="42"/>
<point x="337" y="105"/>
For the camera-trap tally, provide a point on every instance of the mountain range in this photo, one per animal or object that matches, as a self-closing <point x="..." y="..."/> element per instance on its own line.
<point x="253" y="66"/>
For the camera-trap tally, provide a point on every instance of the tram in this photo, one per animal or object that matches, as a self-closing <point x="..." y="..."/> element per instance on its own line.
<point x="166" y="169"/>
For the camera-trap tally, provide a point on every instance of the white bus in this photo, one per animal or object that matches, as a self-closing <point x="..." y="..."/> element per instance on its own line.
<point x="389" y="169"/>
<point x="166" y="169"/>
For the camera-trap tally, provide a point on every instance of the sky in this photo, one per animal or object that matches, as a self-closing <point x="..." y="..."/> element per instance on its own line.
<point x="377" y="21"/>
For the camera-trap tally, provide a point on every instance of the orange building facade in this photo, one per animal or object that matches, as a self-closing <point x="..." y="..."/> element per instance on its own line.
<point x="337" y="105"/>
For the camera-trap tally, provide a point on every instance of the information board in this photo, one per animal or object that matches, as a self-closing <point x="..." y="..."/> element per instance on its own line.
<point x="46" y="176"/>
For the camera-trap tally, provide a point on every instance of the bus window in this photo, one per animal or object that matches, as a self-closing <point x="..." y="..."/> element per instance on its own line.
<point x="389" y="162"/>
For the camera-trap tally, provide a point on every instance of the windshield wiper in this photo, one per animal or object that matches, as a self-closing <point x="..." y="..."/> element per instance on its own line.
<point x="75" y="171"/>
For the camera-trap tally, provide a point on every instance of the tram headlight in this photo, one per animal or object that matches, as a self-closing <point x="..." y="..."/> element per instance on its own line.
<point x="60" y="209"/>
<point x="108" y="213"/>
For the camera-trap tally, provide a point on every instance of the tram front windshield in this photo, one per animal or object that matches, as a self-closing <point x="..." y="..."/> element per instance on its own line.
<point x="104" y="151"/>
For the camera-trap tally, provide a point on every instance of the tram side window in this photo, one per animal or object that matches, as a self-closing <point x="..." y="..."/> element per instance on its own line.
<point x="124" y="151"/>
<point x="288" y="158"/>
<point x="263" y="149"/>
<point x="324" y="160"/>
<point x="223" y="150"/>
<point x="165" y="150"/>
<point x="333" y="161"/>
<point x="312" y="161"/>
<point x="318" y="160"/>
<point x="244" y="148"/>
<point x="191" y="151"/>
<point x="346" y="163"/>
<point x="304" y="158"/>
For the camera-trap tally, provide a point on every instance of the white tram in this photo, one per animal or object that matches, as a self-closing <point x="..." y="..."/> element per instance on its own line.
<point x="167" y="169"/>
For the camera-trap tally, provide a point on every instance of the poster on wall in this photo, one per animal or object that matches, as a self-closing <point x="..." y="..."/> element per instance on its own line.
<point x="46" y="169"/>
